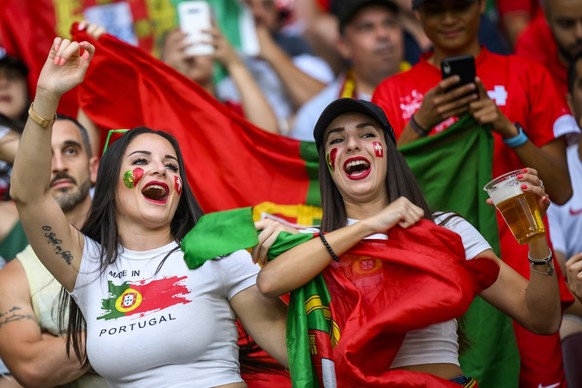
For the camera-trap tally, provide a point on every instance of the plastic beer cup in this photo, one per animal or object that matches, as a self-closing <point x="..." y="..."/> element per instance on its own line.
<point x="519" y="209"/>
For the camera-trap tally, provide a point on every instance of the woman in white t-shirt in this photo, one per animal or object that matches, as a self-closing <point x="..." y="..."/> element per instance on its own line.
<point x="149" y="319"/>
<point x="366" y="181"/>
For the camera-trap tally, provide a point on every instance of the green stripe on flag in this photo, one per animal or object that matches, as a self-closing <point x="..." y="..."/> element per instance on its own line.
<point x="218" y="234"/>
<point x="452" y="167"/>
<point x="308" y="152"/>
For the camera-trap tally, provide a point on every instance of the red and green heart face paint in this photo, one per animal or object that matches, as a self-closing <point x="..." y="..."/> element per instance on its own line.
<point x="330" y="159"/>
<point x="178" y="184"/>
<point x="131" y="178"/>
<point x="378" y="149"/>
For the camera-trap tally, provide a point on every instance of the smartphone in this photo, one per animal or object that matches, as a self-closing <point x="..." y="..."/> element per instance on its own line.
<point x="195" y="16"/>
<point x="463" y="66"/>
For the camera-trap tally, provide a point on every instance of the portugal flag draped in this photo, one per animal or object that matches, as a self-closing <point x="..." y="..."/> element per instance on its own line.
<point x="346" y="325"/>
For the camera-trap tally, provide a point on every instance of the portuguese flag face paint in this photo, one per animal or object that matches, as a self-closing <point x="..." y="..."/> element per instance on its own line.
<point x="143" y="297"/>
<point x="131" y="178"/>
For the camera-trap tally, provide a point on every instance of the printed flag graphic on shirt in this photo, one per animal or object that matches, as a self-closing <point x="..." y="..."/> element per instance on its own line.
<point x="143" y="297"/>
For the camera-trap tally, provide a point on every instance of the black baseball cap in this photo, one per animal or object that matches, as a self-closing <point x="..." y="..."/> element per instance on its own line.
<point x="12" y="62"/>
<point x="418" y="3"/>
<point x="351" y="105"/>
<point x="348" y="9"/>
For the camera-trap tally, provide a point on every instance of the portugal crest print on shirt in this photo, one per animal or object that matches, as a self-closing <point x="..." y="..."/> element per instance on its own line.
<point x="143" y="297"/>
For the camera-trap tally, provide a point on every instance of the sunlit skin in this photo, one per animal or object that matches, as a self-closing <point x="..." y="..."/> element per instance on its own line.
<point x="153" y="203"/>
<point x="13" y="93"/>
<point x="355" y="136"/>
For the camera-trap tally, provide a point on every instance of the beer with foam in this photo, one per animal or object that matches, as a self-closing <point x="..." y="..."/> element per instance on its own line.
<point x="519" y="209"/>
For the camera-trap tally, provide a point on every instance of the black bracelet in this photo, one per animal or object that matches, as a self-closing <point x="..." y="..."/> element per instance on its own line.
<point x="331" y="252"/>
<point x="422" y="132"/>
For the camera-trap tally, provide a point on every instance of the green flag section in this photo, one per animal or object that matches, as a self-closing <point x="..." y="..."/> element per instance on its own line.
<point x="230" y="162"/>
<point x="143" y="297"/>
<point x="452" y="167"/>
<point x="219" y="234"/>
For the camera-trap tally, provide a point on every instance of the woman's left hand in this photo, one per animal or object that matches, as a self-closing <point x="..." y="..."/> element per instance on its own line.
<point x="65" y="67"/>
<point x="270" y="230"/>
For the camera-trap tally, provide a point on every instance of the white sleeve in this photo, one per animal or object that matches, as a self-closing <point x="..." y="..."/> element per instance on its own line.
<point x="239" y="272"/>
<point x="473" y="242"/>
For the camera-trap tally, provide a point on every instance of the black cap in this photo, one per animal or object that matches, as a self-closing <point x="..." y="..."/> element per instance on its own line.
<point x="348" y="9"/>
<point x="12" y="62"/>
<point x="351" y="105"/>
<point x="418" y="3"/>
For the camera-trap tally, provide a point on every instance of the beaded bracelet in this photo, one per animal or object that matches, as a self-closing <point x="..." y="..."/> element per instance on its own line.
<point x="328" y="247"/>
<point x="422" y="132"/>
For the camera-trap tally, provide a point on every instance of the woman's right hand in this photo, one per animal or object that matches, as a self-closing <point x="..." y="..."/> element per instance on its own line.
<point x="269" y="231"/>
<point x="65" y="67"/>
<point x="401" y="212"/>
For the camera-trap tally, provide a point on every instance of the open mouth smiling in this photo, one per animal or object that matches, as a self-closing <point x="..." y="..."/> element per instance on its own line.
<point x="156" y="191"/>
<point x="357" y="168"/>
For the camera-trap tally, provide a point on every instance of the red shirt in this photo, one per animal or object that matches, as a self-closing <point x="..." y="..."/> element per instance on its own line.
<point x="537" y="43"/>
<point x="523" y="90"/>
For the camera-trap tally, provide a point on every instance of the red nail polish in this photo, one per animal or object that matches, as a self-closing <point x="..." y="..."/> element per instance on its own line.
<point x="524" y="170"/>
<point x="524" y="187"/>
<point x="520" y="176"/>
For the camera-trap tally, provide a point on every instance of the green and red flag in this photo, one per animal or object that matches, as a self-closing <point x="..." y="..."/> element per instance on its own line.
<point x="230" y="162"/>
<point x="143" y="297"/>
<point x="452" y="167"/>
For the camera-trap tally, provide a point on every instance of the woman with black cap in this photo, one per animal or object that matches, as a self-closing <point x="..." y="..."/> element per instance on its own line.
<point x="369" y="193"/>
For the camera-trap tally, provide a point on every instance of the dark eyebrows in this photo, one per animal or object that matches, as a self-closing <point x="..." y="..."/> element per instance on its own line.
<point x="358" y="126"/>
<point x="149" y="154"/>
<point x="72" y="143"/>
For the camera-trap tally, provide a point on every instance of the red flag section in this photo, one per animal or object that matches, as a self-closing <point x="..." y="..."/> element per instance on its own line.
<point x="28" y="30"/>
<point x="230" y="162"/>
<point x="382" y="289"/>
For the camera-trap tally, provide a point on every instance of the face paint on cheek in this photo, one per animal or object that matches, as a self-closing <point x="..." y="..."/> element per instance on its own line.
<point x="330" y="159"/>
<point x="178" y="184"/>
<point x="378" y="149"/>
<point x="131" y="178"/>
<point x="137" y="175"/>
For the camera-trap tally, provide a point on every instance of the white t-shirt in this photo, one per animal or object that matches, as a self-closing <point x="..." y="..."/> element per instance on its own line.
<point x="437" y="343"/>
<point x="172" y="328"/>
<point x="565" y="221"/>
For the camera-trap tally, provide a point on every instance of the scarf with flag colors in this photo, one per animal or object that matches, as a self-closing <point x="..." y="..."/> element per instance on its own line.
<point x="346" y="325"/>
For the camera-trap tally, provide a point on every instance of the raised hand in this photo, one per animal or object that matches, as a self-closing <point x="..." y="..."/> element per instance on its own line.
<point x="65" y="67"/>
<point x="574" y="275"/>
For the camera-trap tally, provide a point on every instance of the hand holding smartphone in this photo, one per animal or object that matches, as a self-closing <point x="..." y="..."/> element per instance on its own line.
<point x="463" y="66"/>
<point x="195" y="16"/>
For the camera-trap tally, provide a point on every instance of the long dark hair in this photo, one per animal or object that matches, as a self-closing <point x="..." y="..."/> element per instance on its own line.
<point x="399" y="182"/>
<point x="101" y="226"/>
